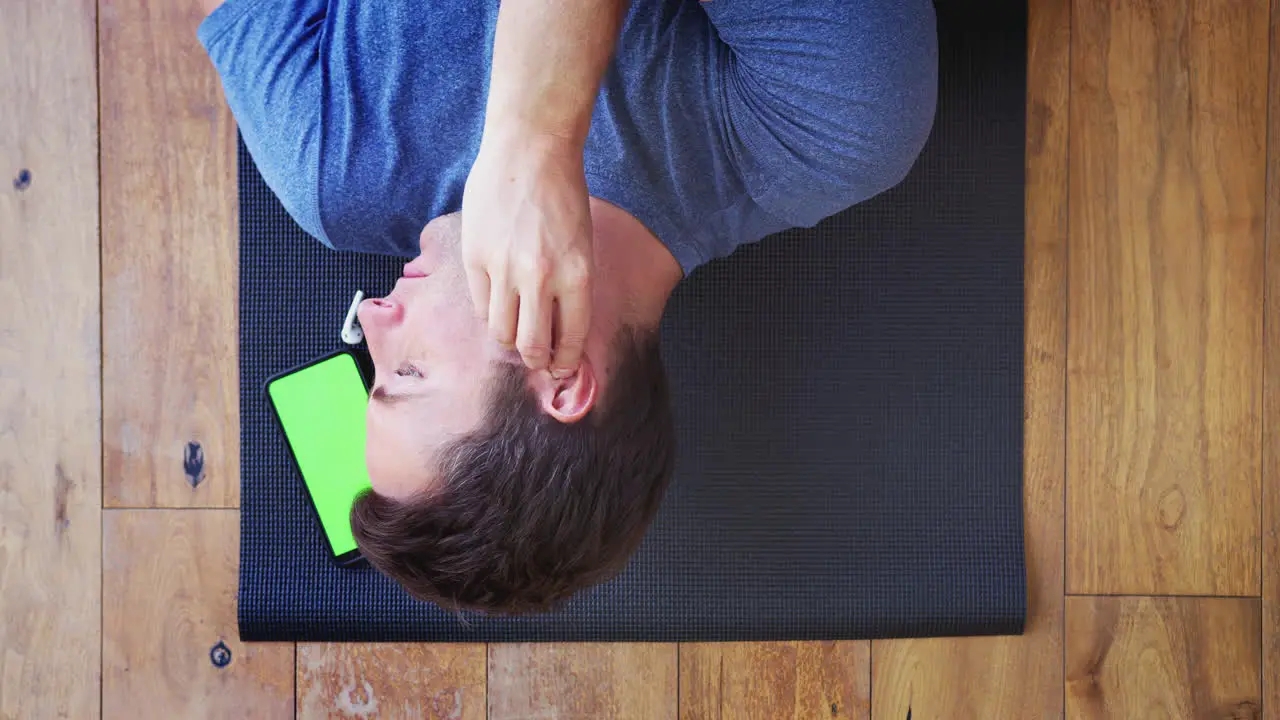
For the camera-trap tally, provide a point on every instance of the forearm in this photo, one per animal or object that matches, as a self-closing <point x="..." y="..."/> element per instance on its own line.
<point x="549" y="57"/>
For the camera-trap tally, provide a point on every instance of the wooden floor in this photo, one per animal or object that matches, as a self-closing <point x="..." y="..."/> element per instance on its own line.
<point x="1153" y="392"/>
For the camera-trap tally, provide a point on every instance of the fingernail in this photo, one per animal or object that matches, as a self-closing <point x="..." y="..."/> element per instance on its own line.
<point x="561" y="374"/>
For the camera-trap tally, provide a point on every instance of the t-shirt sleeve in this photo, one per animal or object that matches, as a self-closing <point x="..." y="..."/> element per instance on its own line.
<point x="826" y="103"/>
<point x="266" y="54"/>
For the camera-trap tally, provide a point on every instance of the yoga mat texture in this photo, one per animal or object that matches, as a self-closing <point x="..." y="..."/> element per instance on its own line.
<point x="848" y="400"/>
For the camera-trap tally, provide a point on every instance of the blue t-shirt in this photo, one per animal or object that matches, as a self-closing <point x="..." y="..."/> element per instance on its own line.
<point x="717" y="123"/>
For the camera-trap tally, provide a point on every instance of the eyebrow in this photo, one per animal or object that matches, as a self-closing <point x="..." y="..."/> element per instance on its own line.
<point x="381" y="395"/>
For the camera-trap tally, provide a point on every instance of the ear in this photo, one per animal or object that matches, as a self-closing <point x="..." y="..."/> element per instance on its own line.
<point x="570" y="399"/>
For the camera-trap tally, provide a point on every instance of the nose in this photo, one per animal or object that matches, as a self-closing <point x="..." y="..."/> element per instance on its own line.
<point x="379" y="313"/>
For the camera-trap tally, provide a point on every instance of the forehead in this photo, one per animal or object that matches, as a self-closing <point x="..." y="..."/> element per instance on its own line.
<point x="405" y="435"/>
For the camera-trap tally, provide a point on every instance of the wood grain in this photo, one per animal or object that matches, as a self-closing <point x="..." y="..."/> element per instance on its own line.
<point x="50" y="412"/>
<point x="582" y="681"/>
<point x="1140" y="657"/>
<point x="436" y="682"/>
<point x="775" y="681"/>
<point x="169" y="598"/>
<point x="169" y="283"/>
<point x="1167" y="158"/>
<point x="1271" y="400"/>
<point x="1017" y="677"/>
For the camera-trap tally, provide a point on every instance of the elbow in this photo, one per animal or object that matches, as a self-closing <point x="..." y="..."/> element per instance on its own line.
<point x="879" y="135"/>
<point x="885" y="116"/>
<point x="876" y="157"/>
<point x="857" y="157"/>
<point x="855" y="128"/>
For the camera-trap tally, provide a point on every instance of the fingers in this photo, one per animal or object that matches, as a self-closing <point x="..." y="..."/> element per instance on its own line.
<point x="478" y="282"/>
<point x="533" y="337"/>
<point x="573" y="318"/>
<point x="528" y="314"/>
<point x="503" y="305"/>
<point x="535" y="297"/>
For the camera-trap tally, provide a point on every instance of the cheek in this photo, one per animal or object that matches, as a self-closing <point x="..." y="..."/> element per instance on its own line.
<point x="447" y="325"/>
<point x="461" y="329"/>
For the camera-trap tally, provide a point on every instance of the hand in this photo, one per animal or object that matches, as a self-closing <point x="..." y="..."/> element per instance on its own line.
<point x="526" y="246"/>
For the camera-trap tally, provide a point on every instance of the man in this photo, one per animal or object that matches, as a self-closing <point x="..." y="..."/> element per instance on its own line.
<point x="554" y="168"/>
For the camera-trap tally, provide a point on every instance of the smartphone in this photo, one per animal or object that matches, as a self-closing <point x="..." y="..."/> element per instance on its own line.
<point x="320" y="407"/>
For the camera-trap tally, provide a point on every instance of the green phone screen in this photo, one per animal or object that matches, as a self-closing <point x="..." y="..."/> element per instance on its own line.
<point x="322" y="410"/>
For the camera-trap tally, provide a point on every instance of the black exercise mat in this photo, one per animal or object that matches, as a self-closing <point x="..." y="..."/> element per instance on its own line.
<point x="849" y="403"/>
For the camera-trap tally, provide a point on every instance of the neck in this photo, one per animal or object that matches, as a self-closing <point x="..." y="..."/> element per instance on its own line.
<point x="634" y="272"/>
<point x="634" y="275"/>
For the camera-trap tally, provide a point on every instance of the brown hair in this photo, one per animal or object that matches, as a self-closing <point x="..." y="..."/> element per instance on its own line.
<point x="527" y="510"/>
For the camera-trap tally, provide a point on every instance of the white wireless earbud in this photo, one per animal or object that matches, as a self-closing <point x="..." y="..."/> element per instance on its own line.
<point x="351" y="332"/>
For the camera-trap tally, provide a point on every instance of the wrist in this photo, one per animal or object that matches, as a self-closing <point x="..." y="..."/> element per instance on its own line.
<point x="513" y="140"/>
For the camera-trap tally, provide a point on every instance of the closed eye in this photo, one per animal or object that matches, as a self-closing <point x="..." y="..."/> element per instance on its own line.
<point x="408" y="371"/>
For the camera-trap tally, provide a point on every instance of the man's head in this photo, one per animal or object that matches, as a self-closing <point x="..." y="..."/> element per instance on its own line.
<point x="498" y="488"/>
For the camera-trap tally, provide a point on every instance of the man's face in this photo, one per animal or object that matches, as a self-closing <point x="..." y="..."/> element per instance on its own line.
<point x="431" y="357"/>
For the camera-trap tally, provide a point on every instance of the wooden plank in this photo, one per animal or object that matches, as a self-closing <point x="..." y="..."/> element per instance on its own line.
<point x="582" y="681"/>
<point x="1167" y="156"/>
<point x="1141" y="657"/>
<point x="169" y="612"/>
<point x="1018" y="677"/>
<point x="169" y="283"/>
<point x="391" y="680"/>
<point x="775" y="681"/>
<point x="1271" y="400"/>
<point x="50" y="382"/>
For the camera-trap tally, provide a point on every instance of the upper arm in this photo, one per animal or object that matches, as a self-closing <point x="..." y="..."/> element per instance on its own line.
<point x="265" y="56"/>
